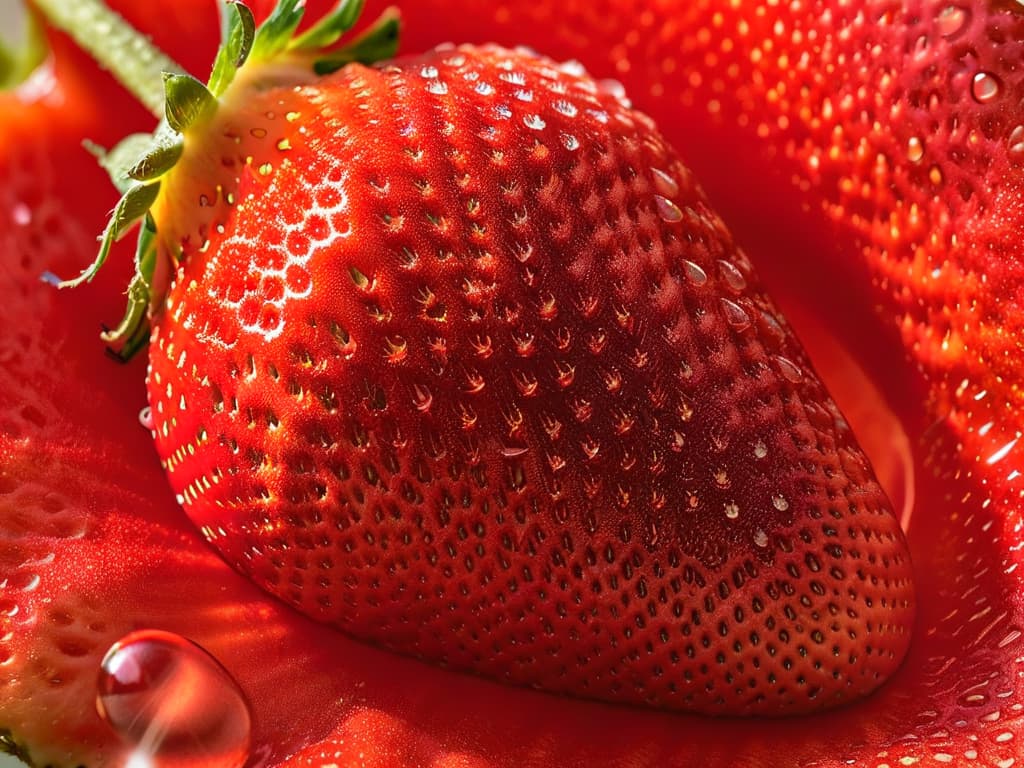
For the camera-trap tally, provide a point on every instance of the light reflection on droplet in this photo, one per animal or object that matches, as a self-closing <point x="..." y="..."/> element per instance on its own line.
<point x="951" y="20"/>
<point x="789" y="369"/>
<point x="915" y="149"/>
<point x="146" y="418"/>
<point x="664" y="183"/>
<point x="694" y="273"/>
<point x="735" y="315"/>
<point x="984" y="87"/>
<point x="668" y="210"/>
<point x="732" y="276"/>
<point x="1016" y="143"/>
<point x="172" y="703"/>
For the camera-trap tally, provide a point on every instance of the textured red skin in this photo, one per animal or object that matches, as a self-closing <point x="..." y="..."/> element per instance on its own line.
<point x="512" y="441"/>
<point x="959" y="696"/>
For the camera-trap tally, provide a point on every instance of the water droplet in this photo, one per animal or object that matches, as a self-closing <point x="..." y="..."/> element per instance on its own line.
<point x="173" y="703"/>
<point x="984" y="87"/>
<point x="694" y="273"/>
<point x="760" y="538"/>
<point x="664" y="183"/>
<point x="668" y="210"/>
<point x="437" y="88"/>
<point x="915" y="149"/>
<point x="146" y="418"/>
<point x="760" y="449"/>
<point x="535" y="122"/>
<point x="732" y="276"/>
<point x="789" y="369"/>
<point x="732" y="510"/>
<point x="570" y="142"/>
<point x="735" y="315"/>
<point x="484" y="89"/>
<point x="1016" y="143"/>
<point x="951" y="20"/>
<point x="780" y="503"/>
<point x="428" y="72"/>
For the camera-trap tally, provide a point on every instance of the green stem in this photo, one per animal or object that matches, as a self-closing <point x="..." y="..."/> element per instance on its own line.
<point x="129" y="55"/>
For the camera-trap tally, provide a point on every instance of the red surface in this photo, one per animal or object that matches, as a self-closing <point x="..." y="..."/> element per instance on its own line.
<point x="924" y="297"/>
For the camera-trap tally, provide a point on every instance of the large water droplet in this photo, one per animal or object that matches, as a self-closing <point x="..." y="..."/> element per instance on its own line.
<point x="172" y="703"/>
<point x="951" y="20"/>
<point x="984" y="87"/>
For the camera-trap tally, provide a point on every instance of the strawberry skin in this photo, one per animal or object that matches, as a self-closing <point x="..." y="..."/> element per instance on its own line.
<point x="472" y="371"/>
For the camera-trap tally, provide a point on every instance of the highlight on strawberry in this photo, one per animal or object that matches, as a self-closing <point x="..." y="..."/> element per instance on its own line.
<point x="450" y="351"/>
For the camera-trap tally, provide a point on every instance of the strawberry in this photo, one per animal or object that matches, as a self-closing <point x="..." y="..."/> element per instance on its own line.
<point x="956" y="700"/>
<point x="458" y="358"/>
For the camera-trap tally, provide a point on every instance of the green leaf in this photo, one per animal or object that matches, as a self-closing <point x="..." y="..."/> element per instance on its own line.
<point x="239" y="34"/>
<point x="132" y="332"/>
<point x="159" y="159"/>
<point x="331" y="27"/>
<point x="135" y="203"/>
<point x="377" y="43"/>
<point x="186" y="101"/>
<point x="276" y="32"/>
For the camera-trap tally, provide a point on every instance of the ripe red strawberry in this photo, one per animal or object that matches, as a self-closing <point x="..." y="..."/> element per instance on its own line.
<point x="458" y="358"/>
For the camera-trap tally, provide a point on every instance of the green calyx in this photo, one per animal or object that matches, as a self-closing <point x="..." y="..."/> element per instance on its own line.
<point x="184" y="104"/>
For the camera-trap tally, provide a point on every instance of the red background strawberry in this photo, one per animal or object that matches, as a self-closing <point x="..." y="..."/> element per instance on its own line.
<point x="959" y="697"/>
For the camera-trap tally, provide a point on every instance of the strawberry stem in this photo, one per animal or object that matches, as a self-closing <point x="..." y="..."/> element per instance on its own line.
<point x="128" y="54"/>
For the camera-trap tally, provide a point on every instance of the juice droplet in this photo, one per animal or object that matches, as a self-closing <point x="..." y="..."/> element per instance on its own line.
<point x="146" y="418"/>
<point x="984" y="87"/>
<point x="172" y="703"/>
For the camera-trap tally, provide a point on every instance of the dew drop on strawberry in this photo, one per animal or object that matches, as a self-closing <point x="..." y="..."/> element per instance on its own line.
<point x="172" y="703"/>
<point x="952" y="19"/>
<point x="984" y="87"/>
